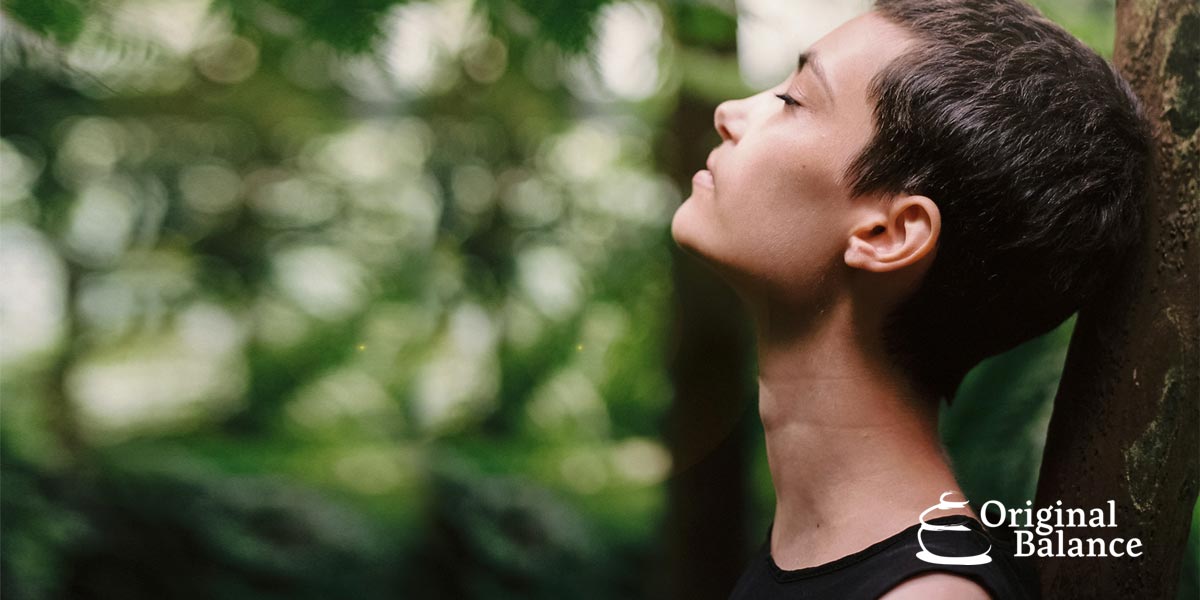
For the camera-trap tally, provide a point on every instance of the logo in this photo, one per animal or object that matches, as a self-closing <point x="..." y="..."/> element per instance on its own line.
<point x="938" y="559"/>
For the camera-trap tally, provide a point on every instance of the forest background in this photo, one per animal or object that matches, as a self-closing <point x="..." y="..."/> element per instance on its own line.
<point x="374" y="299"/>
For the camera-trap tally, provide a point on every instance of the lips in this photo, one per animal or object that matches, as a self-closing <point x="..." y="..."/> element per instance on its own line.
<point x="704" y="178"/>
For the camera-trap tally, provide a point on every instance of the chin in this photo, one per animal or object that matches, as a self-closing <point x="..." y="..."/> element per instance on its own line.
<point x="693" y="232"/>
<point x="696" y="234"/>
<point x="686" y="227"/>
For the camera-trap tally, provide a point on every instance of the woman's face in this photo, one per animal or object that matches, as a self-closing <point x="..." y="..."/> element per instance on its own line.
<point x="771" y="208"/>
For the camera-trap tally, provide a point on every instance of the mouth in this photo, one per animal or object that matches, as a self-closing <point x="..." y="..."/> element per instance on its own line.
<point x="704" y="177"/>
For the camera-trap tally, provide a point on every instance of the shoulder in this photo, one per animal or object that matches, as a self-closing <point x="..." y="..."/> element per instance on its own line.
<point x="937" y="586"/>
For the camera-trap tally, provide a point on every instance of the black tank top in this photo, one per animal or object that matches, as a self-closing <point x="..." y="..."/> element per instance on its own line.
<point x="871" y="572"/>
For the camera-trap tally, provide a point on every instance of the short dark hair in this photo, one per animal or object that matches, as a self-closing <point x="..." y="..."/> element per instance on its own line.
<point x="1035" y="151"/>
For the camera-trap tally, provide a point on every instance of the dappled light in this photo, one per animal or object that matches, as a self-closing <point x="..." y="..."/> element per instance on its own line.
<point x="344" y="300"/>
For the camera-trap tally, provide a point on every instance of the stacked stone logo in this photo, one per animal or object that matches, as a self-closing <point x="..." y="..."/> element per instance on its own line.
<point x="932" y="557"/>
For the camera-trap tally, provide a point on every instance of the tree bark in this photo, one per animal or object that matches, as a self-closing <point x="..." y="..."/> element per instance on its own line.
<point x="1126" y="418"/>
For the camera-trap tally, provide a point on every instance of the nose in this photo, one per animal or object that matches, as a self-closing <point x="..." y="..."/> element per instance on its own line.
<point x="730" y="119"/>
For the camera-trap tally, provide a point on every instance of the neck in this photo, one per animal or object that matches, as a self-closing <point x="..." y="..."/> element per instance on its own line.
<point x="854" y="454"/>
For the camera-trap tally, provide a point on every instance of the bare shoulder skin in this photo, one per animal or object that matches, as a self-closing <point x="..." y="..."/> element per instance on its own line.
<point x="937" y="586"/>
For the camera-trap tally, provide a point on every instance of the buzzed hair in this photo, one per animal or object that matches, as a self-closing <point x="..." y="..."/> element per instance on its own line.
<point x="1035" y="151"/>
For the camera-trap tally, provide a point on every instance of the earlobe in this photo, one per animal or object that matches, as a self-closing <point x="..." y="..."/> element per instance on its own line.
<point x="899" y="234"/>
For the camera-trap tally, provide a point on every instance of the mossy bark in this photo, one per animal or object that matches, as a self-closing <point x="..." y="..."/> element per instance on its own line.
<point x="1126" y="422"/>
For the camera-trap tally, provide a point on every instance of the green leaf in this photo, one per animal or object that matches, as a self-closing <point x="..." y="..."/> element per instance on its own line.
<point x="61" y="20"/>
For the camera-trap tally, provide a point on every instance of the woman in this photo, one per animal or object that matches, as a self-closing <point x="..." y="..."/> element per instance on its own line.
<point x="918" y="195"/>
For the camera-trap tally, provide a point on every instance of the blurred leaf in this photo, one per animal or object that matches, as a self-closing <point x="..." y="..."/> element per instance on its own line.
<point x="570" y="24"/>
<point x="996" y="427"/>
<point x="179" y="534"/>
<point x="61" y="20"/>
<point x="518" y="539"/>
<point x="349" y="25"/>
<point x="700" y="24"/>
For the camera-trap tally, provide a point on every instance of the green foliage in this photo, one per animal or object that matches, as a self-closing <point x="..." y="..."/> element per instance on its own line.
<point x="61" y="20"/>
<point x="567" y="23"/>
<point x="516" y="540"/>
<point x="703" y="25"/>
<point x="995" y="429"/>
<point x="1089" y="20"/>
<point x="348" y="25"/>
<point x="360" y="299"/>
<point x="155" y="533"/>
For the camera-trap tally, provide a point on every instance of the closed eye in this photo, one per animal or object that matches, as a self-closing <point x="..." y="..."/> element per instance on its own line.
<point x="788" y="100"/>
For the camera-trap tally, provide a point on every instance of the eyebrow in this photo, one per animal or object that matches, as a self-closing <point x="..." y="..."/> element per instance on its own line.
<point x="810" y="59"/>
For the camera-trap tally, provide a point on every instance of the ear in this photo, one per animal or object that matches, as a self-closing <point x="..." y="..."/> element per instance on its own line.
<point x="895" y="235"/>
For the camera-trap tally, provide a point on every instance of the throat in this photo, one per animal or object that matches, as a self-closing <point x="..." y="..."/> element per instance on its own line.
<point x="852" y="474"/>
<point x="854" y="451"/>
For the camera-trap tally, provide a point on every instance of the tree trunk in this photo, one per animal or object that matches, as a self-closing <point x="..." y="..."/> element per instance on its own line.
<point x="709" y="365"/>
<point x="710" y="355"/>
<point x="1127" y="416"/>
